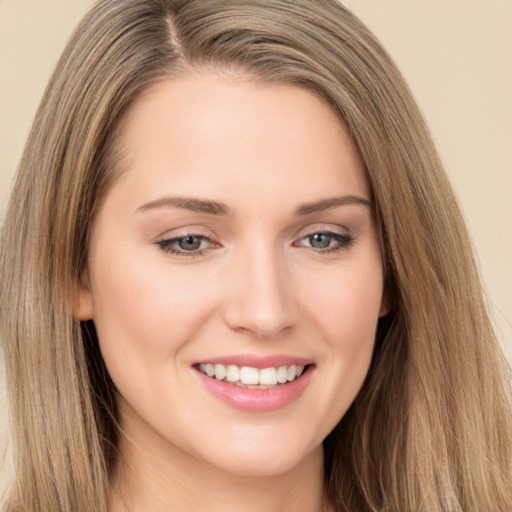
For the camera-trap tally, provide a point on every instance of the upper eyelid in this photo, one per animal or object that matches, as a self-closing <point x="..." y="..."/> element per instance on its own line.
<point x="334" y="234"/>
<point x="172" y="239"/>
<point x="303" y="233"/>
<point x="214" y="243"/>
<point x="183" y="232"/>
<point x="325" y="232"/>
<point x="208" y="234"/>
<point x="319" y="228"/>
<point x="167" y="246"/>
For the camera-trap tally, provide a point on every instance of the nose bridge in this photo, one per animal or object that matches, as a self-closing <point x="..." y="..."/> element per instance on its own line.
<point x="262" y="302"/>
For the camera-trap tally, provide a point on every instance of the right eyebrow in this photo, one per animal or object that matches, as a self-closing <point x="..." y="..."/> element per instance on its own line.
<point x="187" y="203"/>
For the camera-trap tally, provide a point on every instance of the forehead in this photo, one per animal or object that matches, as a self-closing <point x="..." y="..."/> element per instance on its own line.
<point x="215" y="131"/>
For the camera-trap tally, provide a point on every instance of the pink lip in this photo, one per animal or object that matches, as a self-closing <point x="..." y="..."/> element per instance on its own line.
<point x="257" y="400"/>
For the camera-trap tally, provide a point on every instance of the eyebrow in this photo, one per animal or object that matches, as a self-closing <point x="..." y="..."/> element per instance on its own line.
<point x="187" y="203"/>
<point x="332" y="202"/>
<point x="217" y="208"/>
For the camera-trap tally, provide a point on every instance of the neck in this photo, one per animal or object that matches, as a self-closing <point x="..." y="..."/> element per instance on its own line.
<point x="151" y="479"/>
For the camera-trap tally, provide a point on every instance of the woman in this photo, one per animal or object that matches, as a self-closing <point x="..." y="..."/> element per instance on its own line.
<point x="234" y="275"/>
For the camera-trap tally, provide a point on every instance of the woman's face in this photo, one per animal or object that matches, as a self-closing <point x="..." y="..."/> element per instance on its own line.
<point x="234" y="274"/>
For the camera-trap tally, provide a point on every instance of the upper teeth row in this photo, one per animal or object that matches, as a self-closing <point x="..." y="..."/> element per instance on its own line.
<point x="250" y="375"/>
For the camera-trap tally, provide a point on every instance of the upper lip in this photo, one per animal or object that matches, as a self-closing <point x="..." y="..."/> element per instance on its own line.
<point x="257" y="361"/>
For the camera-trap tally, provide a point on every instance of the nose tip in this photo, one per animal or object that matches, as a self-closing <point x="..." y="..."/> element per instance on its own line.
<point x="262" y="303"/>
<point x="265" y="321"/>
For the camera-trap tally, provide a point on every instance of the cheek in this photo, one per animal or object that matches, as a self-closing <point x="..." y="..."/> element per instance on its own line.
<point x="144" y="316"/>
<point x="347" y="304"/>
<point x="346" y="312"/>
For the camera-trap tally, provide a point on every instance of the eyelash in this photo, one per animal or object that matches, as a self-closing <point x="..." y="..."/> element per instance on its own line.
<point x="344" y="241"/>
<point x="168" y="245"/>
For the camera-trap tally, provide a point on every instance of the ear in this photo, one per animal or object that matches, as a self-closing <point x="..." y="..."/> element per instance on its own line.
<point x="84" y="305"/>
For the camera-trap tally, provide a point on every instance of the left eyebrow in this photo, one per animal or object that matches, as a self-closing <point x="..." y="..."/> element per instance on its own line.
<point x="332" y="202"/>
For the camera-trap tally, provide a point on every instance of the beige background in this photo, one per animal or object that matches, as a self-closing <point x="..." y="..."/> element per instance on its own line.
<point x="456" y="55"/>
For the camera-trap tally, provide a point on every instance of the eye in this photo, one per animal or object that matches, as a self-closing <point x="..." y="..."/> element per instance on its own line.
<point x="189" y="245"/>
<point x="326" y="241"/>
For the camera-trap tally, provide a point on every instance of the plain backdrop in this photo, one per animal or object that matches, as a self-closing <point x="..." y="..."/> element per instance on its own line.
<point x="455" y="54"/>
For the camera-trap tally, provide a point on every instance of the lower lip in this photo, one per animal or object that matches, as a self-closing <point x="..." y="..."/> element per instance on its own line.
<point x="257" y="400"/>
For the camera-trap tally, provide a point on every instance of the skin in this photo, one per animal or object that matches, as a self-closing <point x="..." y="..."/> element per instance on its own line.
<point x="256" y="286"/>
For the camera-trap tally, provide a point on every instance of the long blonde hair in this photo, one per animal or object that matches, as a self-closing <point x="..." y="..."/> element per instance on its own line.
<point x="431" y="428"/>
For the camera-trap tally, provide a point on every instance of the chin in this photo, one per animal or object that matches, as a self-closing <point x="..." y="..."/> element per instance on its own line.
<point x="263" y="456"/>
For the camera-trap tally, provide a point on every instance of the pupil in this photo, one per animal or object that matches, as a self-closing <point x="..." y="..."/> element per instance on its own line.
<point x="320" y="241"/>
<point x="190" y="243"/>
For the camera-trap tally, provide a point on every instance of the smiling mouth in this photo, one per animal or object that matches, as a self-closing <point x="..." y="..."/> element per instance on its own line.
<point x="253" y="378"/>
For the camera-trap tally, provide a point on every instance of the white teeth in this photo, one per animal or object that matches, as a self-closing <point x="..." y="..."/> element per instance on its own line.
<point x="250" y="376"/>
<point x="232" y="373"/>
<point x="210" y="370"/>
<point x="220" y="371"/>
<point x="268" y="376"/>
<point x="282" y="374"/>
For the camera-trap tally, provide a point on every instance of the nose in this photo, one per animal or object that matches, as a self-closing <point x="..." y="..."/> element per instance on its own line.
<point x="261" y="301"/>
